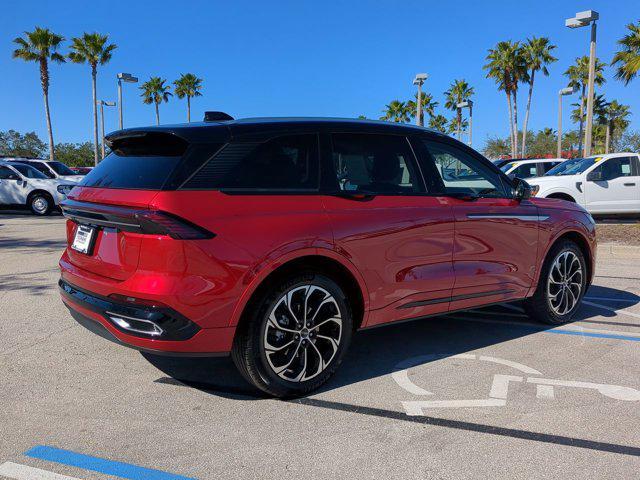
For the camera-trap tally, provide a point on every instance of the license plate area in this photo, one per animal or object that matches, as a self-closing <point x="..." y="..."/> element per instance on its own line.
<point x="84" y="239"/>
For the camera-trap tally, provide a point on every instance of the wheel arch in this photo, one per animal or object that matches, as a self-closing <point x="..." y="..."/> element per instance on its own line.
<point x="581" y="240"/>
<point x="32" y="193"/>
<point x="323" y="261"/>
<point x="562" y="196"/>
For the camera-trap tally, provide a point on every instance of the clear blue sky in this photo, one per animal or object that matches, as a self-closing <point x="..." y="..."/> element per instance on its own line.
<point x="300" y="58"/>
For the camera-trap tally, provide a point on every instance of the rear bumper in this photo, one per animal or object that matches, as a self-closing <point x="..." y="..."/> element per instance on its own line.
<point x="181" y="338"/>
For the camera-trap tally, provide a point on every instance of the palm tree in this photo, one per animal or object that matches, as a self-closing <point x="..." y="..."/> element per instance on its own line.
<point x="459" y="91"/>
<point x="428" y="106"/>
<point x="578" y="77"/>
<point x="615" y="117"/>
<point x="439" y="123"/>
<point x="41" y="46"/>
<point x="537" y="55"/>
<point x="155" y="91"/>
<point x="628" y="59"/>
<point x="396" y="111"/>
<point x="188" y="85"/>
<point x="570" y="139"/>
<point x="456" y="125"/>
<point x="92" y="48"/>
<point x="500" y="67"/>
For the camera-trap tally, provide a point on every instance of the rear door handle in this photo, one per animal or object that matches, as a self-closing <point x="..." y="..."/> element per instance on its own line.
<point x="629" y="184"/>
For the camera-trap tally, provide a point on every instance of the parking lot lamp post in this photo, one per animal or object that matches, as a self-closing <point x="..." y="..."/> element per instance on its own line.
<point x="103" y="104"/>
<point x="561" y="93"/>
<point x="123" y="77"/>
<point x="419" y="81"/>
<point x="582" y="19"/>
<point x="467" y="104"/>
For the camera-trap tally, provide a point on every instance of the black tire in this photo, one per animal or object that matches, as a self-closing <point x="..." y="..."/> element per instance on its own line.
<point x="249" y="350"/>
<point x="41" y="203"/>
<point x="540" y="306"/>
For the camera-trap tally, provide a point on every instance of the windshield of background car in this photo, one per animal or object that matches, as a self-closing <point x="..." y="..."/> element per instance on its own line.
<point x="507" y="166"/>
<point x="574" y="166"/>
<point x="61" y="168"/>
<point x="29" y="172"/>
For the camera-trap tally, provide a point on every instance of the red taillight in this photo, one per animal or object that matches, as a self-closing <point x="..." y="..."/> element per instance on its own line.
<point x="163" y="223"/>
<point x="153" y="222"/>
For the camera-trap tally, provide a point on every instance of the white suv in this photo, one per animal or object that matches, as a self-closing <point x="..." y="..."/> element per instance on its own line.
<point x="530" y="168"/>
<point x="22" y="185"/>
<point x="603" y="184"/>
<point x="50" y="169"/>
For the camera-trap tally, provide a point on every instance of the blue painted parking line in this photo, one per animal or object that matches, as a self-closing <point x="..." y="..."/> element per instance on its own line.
<point x="101" y="465"/>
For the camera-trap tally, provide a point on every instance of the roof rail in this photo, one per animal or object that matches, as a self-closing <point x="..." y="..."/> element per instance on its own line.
<point x="216" y="116"/>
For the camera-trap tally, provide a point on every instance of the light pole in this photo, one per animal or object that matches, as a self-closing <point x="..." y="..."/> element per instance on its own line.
<point x="561" y="93"/>
<point x="123" y="77"/>
<point x="467" y="104"/>
<point x="419" y="81"/>
<point x="582" y="19"/>
<point x="103" y="104"/>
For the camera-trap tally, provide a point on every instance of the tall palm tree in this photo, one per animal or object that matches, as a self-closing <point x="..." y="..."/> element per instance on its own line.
<point x="578" y="75"/>
<point x="500" y="67"/>
<point x="396" y="111"/>
<point x="92" y="48"/>
<point x="459" y="91"/>
<point x="41" y="46"/>
<point x="628" y="59"/>
<point x="155" y="91"/>
<point x="188" y="85"/>
<point x="439" y="123"/>
<point x="428" y="104"/>
<point x="537" y="55"/>
<point x="456" y="125"/>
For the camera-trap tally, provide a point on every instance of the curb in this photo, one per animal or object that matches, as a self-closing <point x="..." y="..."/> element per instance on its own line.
<point x="618" y="251"/>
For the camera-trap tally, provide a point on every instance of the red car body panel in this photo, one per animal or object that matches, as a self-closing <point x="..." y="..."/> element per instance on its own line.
<point x="399" y="249"/>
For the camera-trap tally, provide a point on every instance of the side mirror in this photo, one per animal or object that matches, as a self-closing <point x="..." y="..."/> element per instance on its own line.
<point x="595" y="176"/>
<point x="521" y="189"/>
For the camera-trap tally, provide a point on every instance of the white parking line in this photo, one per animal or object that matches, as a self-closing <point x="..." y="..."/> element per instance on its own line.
<point x="604" y="307"/>
<point x="23" y="472"/>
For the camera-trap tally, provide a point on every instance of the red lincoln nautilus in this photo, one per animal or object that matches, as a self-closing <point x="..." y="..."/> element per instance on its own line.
<point x="275" y="239"/>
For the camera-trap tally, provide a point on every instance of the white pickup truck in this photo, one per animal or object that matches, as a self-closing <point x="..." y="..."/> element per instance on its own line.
<point x="602" y="184"/>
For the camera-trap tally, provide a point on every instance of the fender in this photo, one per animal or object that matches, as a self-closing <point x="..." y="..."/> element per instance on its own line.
<point x="577" y="196"/>
<point x="269" y="267"/>
<point x="569" y="226"/>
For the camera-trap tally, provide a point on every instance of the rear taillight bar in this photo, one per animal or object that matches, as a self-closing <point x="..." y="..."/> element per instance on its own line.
<point x="152" y="222"/>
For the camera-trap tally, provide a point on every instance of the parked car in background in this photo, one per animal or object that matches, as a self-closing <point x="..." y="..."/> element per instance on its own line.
<point x="21" y="185"/>
<point x="81" y="170"/>
<point x="224" y="236"/>
<point x="529" y="168"/>
<point x="57" y="170"/>
<point x="602" y="184"/>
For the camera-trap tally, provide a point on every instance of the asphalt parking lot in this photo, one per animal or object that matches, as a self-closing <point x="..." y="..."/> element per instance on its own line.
<point x="485" y="394"/>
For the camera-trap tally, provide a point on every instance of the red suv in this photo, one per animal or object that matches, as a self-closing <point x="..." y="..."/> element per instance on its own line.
<point x="276" y="239"/>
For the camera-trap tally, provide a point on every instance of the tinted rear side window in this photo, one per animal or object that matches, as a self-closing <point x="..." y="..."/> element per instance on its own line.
<point x="141" y="163"/>
<point x="286" y="163"/>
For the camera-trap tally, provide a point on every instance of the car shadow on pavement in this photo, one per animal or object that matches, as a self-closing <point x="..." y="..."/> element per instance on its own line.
<point x="376" y="352"/>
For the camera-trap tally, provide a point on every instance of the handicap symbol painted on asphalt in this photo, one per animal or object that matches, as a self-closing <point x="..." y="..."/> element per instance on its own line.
<point x="499" y="389"/>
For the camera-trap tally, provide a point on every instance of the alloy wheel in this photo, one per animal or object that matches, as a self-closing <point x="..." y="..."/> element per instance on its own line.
<point x="303" y="333"/>
<point x="564" y="284"/>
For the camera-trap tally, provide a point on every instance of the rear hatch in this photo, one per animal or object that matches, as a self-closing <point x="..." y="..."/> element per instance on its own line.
<point x="113" y="204"/>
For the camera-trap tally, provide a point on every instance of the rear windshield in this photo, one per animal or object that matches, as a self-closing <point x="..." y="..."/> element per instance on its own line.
<point x="139" y="163"/>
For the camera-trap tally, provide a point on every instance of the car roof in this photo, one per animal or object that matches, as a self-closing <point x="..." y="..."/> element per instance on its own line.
<point x="24" y="159"/>
<point x="538" y="160"/>
<point x="201" y="131"/>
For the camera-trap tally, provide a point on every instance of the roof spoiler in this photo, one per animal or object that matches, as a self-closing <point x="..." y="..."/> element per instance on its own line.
<point x="216" y="116"/>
